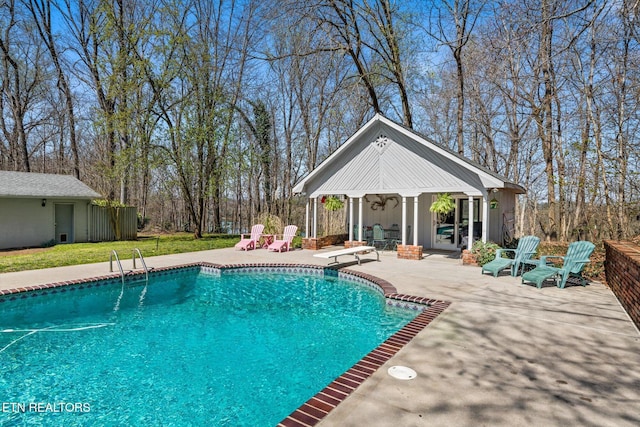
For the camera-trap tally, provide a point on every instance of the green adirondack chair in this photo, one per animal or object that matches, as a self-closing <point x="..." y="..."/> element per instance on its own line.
<point x="573" y="263"/>
<point x="378" y="237"/>
<point x="527" y="247"/>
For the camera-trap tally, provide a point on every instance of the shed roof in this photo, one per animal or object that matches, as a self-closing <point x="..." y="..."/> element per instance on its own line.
<point x="384" y="157"/>
<point x="45" y="185"/>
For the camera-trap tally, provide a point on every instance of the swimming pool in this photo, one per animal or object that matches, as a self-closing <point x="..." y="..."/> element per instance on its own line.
<point x="186" y="346"/>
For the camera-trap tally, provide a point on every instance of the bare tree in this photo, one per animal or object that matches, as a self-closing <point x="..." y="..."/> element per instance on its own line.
<point x="621" y="76"/>
<point x="41" y="12"/>
<point x="199" y="108"/>
<point x="142" y="99"/>
<point x="22" y="74"/>
<point x="366" y="33"/>
<point x="586" y="60"/>
<point x="387" y="47"/>
<point x="542" y="107"/>
<point x="86" y="25"/>
<point x="451" y="23"/>
<point x="261" y="129"/>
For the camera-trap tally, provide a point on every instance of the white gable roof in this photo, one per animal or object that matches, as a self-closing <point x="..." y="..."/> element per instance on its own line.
<point x="43" y="185"/>
<point x="386" y="158"/>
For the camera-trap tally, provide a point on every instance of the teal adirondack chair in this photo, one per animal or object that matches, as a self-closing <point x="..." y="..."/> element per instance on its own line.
<point x="527" y="247"/>
<point x="378" y="237"/>
<point x="573" y="263"/>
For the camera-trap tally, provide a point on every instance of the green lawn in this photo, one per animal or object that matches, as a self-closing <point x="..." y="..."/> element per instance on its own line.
<point x="86" y="253"/>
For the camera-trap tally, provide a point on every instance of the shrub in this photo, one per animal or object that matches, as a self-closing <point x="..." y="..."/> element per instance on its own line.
<point x="296" y="242"/>
<point x="108" y="203"/>
<point x="142" y="221"/>
<point x="272" y="223"/>
<point x="484" y="252"/>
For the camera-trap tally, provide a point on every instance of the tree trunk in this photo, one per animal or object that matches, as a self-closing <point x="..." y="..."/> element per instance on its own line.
<point x="457" y="55"/>
<point x="579" y="221"/>
<point x="546" y="129"/>
<point x="621" y="134"/>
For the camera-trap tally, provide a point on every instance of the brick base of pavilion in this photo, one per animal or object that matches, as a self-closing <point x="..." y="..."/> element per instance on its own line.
<point x="409" y="252"/>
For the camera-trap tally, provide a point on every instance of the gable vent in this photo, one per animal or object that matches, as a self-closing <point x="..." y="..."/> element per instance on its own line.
<point x="381" y="143"/>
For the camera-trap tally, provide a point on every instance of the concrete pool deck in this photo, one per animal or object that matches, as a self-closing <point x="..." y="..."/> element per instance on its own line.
<point x="501" y="354"/>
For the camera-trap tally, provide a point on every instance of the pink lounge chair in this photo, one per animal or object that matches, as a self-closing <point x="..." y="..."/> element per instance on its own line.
<point x="287" y="237"/>
<point x="251" y="241"/>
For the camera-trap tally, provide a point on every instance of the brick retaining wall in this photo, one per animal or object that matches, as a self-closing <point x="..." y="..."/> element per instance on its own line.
<point x="312" y="244"/>
<point x="622" y="267"/>
<point x="315" y="244"/>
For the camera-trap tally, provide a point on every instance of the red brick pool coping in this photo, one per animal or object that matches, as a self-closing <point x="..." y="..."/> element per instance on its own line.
<point x="320" y="405"/>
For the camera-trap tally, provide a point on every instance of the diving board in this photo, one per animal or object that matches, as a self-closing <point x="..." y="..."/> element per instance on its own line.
<point x="348" y="251"/>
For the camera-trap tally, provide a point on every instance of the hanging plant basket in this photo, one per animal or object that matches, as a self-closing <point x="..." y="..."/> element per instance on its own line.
<point x="333" y="203"/>
<point x="443" y="204"/>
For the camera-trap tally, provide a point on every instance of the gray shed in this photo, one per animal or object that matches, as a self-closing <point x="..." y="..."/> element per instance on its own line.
<point x="390" y="175"/>
<point x="36" y="208"/>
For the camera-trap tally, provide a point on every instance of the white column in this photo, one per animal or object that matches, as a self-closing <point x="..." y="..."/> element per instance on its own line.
<point x="404" y="220"/>
<point x="485" y="218"/>
<point x="345" y="207"/>
<point x="315" y="217"/>
<point x="350" y="218"/>
<point x="306" y="219"/>
<point x="415" y="221"/>
<point x="470" y="227"/>
<point x="360" y="227"/>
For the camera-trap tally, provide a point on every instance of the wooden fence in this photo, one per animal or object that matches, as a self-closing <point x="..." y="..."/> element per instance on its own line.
<point x="101" y="228"/>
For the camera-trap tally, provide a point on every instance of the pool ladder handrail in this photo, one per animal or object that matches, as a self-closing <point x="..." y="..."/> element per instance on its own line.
<point x="115" y="254"/>
<point x="144" y="265"/>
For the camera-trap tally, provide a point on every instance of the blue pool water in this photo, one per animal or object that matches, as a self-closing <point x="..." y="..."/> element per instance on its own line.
<point x="191" y="348"/>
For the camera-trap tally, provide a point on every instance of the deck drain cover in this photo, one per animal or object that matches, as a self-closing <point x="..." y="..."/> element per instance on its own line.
<point x="402" y="372"/>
